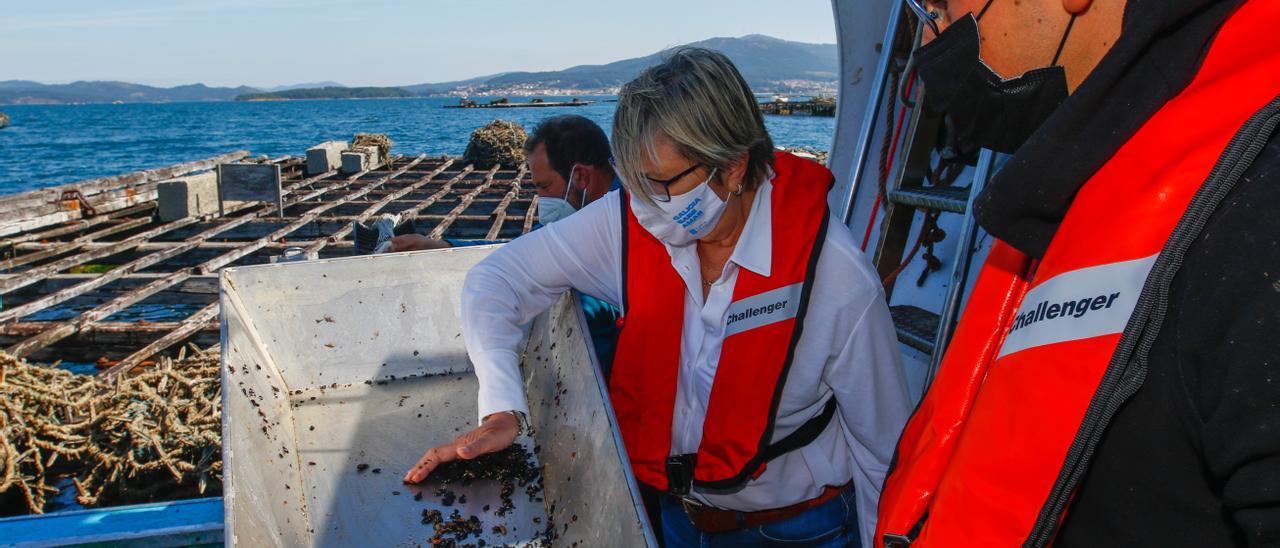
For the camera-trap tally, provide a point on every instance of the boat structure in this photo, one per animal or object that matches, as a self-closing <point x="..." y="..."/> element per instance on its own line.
<point x="326" y="360"/>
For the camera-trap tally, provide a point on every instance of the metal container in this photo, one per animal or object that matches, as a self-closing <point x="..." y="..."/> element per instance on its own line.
<point x="333" y="364"/>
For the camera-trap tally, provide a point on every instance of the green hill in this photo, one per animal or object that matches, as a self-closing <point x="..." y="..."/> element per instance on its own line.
<point x="330" y="92"/>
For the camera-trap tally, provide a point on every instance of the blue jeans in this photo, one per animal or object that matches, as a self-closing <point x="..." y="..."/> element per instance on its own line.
<point x="832" y="523"/>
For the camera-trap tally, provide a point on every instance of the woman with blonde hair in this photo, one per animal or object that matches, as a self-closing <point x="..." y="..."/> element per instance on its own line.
<point x="756" y="381"/>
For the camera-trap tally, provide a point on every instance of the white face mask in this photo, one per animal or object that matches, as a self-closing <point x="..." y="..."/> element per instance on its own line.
<point x="687" y="217"/>
<point x="551" y="210"/>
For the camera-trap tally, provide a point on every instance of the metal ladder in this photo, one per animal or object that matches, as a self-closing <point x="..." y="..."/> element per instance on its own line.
<point x="906" y="194"/>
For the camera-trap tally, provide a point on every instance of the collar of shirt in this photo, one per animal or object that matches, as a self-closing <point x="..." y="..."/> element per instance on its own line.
<point x="754" y="249"/>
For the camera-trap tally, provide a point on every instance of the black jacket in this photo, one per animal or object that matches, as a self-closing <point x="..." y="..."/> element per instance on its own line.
<point x="1193" y="457"/>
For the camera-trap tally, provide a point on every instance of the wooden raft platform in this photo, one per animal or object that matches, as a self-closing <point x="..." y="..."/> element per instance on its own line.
<point x="88" y="274"/>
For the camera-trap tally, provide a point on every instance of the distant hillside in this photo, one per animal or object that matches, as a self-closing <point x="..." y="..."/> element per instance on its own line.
<point x="769" y="65"/>
<point x="26" y="92"/>
<point x="325" y="84"/>
<point x="329" y="93"/>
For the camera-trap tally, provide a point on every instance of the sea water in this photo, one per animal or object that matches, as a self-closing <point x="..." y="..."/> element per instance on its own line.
<point x="47" y="145"/>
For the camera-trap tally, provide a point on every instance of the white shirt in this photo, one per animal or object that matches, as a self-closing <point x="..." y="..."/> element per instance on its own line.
<point x="848" y="347"/>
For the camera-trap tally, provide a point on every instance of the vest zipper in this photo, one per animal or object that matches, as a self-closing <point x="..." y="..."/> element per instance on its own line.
<point x="1128" y="367"/>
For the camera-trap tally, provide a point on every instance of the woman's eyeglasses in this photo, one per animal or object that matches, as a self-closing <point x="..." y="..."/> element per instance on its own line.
<point x="660" y="189"/>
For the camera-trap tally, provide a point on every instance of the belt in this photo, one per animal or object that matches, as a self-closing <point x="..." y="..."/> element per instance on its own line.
<point x="714" y="520"/>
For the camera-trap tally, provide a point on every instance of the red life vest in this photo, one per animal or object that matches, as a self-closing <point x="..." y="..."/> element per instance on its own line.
<point x="1045" y="354"/>
<point x="763" y="324"/>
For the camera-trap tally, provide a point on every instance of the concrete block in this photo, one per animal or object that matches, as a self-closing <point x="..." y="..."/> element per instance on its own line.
<point x="359" y="159"/>
<point x="188" y="196"/>
<point x="325" y="156"/>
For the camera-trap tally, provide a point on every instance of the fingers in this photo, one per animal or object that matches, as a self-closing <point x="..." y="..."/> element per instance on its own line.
<point x="432" y="459"/>
<point x="484" y="441"/>
<point x="496" y="433"/>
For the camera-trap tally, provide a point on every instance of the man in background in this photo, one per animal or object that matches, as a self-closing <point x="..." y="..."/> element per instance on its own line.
<point x="569" y="164"/>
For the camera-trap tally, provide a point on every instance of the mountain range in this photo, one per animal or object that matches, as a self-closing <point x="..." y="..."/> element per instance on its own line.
<point x="770" y="65"/>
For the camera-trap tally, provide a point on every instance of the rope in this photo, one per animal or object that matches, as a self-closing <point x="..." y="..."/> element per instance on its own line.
<point x="153" y="435"/>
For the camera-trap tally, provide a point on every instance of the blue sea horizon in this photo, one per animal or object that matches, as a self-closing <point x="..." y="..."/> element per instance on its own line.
<point x="49" y="145"/>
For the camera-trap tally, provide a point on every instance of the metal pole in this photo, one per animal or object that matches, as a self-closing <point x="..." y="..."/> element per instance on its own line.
<point x="872" y="113"/>
<point x="960" y="269"/>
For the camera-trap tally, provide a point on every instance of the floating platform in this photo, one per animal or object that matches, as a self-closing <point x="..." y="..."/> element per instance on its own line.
<point x="506" y="103"/>
<point x="822" y="108"/>
<point x="89" y="275"/>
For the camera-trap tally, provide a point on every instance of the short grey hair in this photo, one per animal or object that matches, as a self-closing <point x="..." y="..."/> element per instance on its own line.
<point x="698" y="99"/>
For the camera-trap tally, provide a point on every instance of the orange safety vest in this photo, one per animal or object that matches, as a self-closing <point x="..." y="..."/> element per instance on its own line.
<point x="1045" y="354"/>
<point x="764" y="322"/>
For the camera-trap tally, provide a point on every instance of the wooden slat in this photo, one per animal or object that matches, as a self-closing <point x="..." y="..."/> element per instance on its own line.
<point x="92" y="187"/>
<point x="66" y="247"/>
<point x="529" y="214"/>
<point x="374" y="208"/>
<point x="212" y="265"/>
<point x="40" y="208"/>
<point x="465" y="202"/>
<point x="76" y="226"/>
<point x="72" y="326"/>
<point x="36" y="274"/>
<point x="196" y="322"/>
<point x="28" y="329"/>
<point x="500" y="213"/>
<point x="128" y="268"/>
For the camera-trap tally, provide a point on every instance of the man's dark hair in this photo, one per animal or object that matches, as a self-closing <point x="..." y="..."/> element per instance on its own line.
<point x="570" y="139"/>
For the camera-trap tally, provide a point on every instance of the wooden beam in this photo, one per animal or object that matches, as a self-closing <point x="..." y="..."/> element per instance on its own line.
<point x="127" y="268"/>
<point x="28" y="329"/>
<point x="40" y="208"/>
<point x="375" y="208"/>
<point x="212" y="265"/>
<point x="500" y="213"/>
<point x="70" y="327"/>
<point x="196" y="322"/>
<point x="529" y="214"/>
<point x="76" y="226"/>
<point x="38" y="273"/>
<point x="465" y="201"/>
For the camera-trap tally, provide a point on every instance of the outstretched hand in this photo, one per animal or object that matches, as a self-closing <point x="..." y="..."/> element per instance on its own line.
<point x="415" y="242"/>
<point x="497" y="432"/>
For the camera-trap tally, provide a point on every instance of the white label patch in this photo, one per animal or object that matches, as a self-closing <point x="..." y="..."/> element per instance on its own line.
<point x="1080" y="304"/>
<point x="758" y="310"/>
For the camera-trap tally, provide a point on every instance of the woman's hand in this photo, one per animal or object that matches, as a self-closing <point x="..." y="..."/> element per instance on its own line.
<point x="495" y="433"/>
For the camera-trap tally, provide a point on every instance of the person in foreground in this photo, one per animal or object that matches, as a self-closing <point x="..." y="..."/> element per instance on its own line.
<point x="1115" y="377"/>
<point x="756" y="383"/>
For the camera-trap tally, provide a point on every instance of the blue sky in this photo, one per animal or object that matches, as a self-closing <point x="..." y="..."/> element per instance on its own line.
<point x="358" y="42"/>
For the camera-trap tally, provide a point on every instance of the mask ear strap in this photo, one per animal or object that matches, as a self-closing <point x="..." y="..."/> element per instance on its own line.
<point x="568" y="184"/>
<point x="984" y="9"/>
<point x="1062" y="43"/>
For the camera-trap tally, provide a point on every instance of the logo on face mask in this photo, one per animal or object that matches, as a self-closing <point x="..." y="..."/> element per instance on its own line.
<point x="689" y="215"/>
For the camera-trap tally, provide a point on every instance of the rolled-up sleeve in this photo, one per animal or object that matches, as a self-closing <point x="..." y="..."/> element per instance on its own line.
<point x="522" y="279"/>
